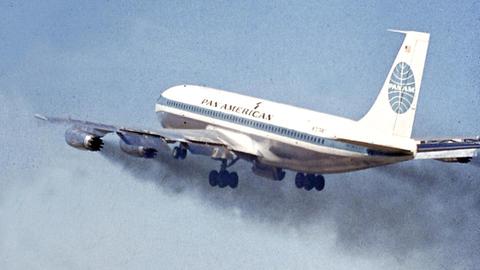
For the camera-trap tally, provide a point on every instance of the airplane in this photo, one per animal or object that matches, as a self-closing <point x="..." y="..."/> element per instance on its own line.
<point x="274" y="137"/>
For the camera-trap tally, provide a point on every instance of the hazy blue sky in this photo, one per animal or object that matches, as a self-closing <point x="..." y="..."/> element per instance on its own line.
<point x="110" y="60"/>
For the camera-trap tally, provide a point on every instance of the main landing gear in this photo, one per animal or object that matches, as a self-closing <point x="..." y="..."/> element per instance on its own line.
<point x="223" y="177"/>
<point x="309" y="181"/>
<point x="179" y="152"/>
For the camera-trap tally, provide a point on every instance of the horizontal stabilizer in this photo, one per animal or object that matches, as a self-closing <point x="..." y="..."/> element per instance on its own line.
<point x="450" y="150"/>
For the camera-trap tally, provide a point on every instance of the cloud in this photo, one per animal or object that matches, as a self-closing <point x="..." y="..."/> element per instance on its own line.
<point x="425" y="209"/>
<point x="475" y="162"/>
<point x="401" y="209"/>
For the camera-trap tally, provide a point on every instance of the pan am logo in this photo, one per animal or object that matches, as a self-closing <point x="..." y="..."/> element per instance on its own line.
<point x="401" y="88"/>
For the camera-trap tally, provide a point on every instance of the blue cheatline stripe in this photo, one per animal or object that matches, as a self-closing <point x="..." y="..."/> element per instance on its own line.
<point x="290" y="133"/>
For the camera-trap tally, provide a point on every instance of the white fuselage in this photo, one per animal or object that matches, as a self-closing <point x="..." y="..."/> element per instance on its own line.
<point x="282" y="136"/>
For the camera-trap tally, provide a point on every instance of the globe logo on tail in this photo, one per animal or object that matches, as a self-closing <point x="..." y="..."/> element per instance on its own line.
<point x="401" y="88"/>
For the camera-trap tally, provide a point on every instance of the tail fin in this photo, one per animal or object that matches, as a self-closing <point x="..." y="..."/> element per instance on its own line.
<point x="394" y="110"/>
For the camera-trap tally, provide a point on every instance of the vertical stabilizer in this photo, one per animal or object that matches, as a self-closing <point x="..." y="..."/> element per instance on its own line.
<point x="394" y="110"/>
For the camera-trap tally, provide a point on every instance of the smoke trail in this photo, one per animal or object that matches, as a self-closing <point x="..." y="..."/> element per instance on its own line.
<point x="400" y="208"/>
<point x="476" y="162"/>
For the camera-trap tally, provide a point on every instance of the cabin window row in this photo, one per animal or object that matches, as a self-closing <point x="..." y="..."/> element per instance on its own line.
<point x="247" y="122"/>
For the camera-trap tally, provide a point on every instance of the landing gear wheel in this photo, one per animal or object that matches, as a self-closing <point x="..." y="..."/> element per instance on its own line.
<point x="309" y="182"/>
<point x="176" y="152"/>
<point x="179" y="152"/>
<point x="183" y="153"/>
<point x="213" y="178"/>
<point x="233" y="180"/>
<point x="223" y="179"/>
<point x="299" y="179"/>
<point x="319" y="182"/>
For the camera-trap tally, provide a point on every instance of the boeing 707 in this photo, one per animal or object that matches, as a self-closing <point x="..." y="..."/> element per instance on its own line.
<point x="275" y="137"/>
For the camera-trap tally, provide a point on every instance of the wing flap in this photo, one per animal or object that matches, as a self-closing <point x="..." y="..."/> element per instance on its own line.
<point x="169" y="135"/>
<point x="201" y="141"/>
<point x="102" y="128"/>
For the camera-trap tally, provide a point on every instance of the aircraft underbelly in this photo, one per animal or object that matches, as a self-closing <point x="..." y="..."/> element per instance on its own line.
<point x="326" y="160"/>
<point x="331" y="163"/>
<point x="294" y="157"/>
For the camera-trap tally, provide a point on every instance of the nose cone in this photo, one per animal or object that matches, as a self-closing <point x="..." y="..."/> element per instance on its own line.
<point x="189" y="94"/>
<point x="177" y="92"/>
<point x="169" y="94"/>
<point x="170" y="91"/>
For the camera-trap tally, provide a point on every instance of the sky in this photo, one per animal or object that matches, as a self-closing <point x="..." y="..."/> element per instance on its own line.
<point x="108" y="61"/>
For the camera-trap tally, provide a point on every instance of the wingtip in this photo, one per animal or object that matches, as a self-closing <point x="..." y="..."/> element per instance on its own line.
<point x="41" y="117"/>
<point x="405" y="32"/>
<point x="397" y="31"/>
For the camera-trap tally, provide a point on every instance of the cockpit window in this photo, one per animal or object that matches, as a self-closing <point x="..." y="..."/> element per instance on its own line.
<point x="161" y="100"/>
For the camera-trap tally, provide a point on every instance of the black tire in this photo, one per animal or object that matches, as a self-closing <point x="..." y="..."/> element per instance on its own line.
<point x="319" y="182"/>
<point x="183" y="153"/>
<point x="299" y="180"/>
<point x="213" y="178"/>
<point x="233" y="180"/>
<point x="176" y="152"/>
<point x="309" y="182"/>
<point x="223" y="179"/>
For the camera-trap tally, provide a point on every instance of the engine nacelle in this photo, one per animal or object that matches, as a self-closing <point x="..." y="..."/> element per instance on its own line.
<point x="266" y="171"/>
<point x="138" y="150"/>
<point x="83" y="140"/>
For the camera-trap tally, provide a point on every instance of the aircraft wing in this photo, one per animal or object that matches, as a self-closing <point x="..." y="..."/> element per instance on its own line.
<point x="212" y="142"/>
<point x="449" y="150"/>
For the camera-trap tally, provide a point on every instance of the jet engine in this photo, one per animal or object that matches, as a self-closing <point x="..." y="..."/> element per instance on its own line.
<point x="274" y="173"/>
<point x="138" y="150"/>
<point x="83" y="140"/>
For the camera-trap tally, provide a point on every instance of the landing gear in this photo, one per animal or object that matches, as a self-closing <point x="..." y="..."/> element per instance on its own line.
<point x="213" y="178"/>
<point x="233" y="180"/>
<point x="223" y="178"/>
<point x="319" y="182"/>
<point x="179" y="152"/>
<point x="309" y="181"/>
<point x="299" y="179"/>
